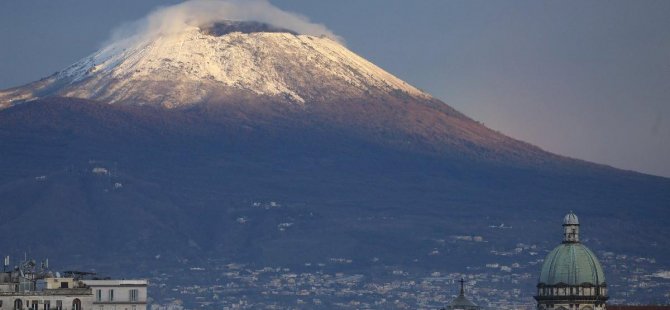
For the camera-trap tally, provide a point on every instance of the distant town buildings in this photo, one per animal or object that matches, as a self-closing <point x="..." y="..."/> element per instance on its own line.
<point x="30" y="286"/>
<point x="570" y="278"/>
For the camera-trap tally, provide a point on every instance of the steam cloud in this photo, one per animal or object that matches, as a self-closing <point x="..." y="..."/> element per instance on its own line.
<point x="173" y="19"/>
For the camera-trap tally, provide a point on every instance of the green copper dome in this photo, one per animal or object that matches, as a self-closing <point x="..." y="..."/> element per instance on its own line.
<point x="571" y="264"/>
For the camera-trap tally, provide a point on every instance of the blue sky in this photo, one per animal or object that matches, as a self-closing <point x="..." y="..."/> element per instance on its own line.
<point x="586" y="79"/>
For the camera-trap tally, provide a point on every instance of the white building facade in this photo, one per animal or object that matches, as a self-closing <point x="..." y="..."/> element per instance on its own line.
<point x="32" y="286"/>
<point x="118" y="294"/>
<point x="20" y="293"/>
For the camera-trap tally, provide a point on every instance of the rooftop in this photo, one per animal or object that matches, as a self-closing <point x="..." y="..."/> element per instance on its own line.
<point x="115" y="282"/>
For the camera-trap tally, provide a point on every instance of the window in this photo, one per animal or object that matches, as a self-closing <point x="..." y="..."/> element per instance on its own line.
<point x="47" y="305"/>
<point x="59" y="305"/>
<point x="76" y="304"/>
<point x="98" y="295"/>
<point x="63" y="285"/>
<point x="111" y="295"/>
<point x="133" y="295"/>
<point x="18" y="304"/>
<point x="34" y="305"/>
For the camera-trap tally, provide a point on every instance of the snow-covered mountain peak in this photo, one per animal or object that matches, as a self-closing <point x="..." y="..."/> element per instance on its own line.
<point x="215" y="62"/>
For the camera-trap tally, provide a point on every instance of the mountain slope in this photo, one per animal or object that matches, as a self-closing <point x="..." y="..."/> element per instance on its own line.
<point x="206" y="169"/>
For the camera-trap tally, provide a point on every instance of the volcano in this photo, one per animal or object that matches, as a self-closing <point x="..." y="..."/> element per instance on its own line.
<point x="259" y="70"/>
<point x="261" y="145"/>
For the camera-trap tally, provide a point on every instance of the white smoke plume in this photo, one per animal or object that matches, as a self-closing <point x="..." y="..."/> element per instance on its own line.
<point x="175" y="18"/>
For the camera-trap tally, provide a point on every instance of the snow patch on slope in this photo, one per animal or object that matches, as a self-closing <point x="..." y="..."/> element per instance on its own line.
<point x="187" y="67"/>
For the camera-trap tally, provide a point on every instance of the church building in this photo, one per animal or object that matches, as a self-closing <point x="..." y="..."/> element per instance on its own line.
<point x="461" y="302"/>
<point x="571" y="277"/>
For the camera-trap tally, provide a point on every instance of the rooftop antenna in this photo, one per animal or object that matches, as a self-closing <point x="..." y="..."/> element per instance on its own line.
<point x="462" y="291"/>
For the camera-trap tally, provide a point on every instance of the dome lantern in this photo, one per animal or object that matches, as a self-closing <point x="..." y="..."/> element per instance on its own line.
<point x="570" y="228"/>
